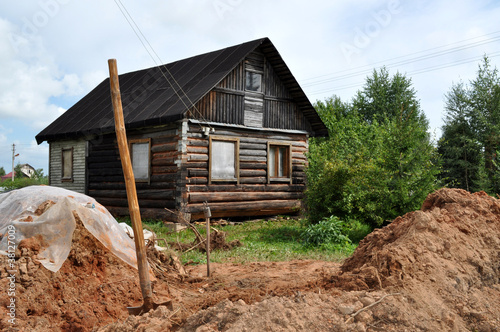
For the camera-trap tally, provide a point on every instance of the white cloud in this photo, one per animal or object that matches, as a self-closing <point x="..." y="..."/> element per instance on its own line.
<point x="29" y="78"/>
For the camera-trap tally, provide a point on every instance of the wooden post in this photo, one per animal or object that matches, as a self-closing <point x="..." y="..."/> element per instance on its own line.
<point x="208" y="214"/>
<point x="133" y="203"/>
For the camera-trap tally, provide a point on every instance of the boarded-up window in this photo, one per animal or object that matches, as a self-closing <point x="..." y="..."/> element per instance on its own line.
<point x="139" y="153"/>
<point x="224" y="159"/>
<point x="253" y="81"/>
<point x="67" y="164"/>
<point x="279" y="162"/>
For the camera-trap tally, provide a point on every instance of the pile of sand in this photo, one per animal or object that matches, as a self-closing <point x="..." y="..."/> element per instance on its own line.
<point x="436" y="269"/>
<point x="92" y="288"/>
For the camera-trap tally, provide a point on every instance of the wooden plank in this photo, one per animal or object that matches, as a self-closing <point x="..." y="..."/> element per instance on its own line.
<point x="253" y="165"/>
<point x="256" y="153"/>
<point x="253" y="173"/>
<point x="246" y="188"/>
<point x="253" y="180"/>
<point x="242" y="196"/>
<point x="243" y="208"/>
<point x="150" y="194"/>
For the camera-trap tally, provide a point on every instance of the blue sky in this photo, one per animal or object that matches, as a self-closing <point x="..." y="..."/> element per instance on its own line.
<point x="53" y="52"/>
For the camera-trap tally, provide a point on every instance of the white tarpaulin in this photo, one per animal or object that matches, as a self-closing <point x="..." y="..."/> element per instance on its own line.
<point x="57" y="223"/>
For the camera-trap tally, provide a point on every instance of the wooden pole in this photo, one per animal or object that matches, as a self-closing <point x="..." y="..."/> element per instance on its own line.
<point x="133" y="203"/>
<point x="208" y="214"/>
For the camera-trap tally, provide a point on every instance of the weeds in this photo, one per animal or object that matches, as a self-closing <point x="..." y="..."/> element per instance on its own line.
<point x="263" y="240"/>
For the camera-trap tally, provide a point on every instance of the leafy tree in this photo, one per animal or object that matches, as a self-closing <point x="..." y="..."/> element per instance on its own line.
<point x="407" y="157"/>
<point x="471" y="133"/>
<point x="458" y="146"/>
<point x="2" y="171"/>
<point x="384" y="97"/>
<point x="378" y="161"/>
<point x="484" y="99"/>
<point x="17" y="170"/>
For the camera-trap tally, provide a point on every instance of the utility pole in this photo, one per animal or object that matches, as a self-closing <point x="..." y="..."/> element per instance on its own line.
<point x="14" y="155"/>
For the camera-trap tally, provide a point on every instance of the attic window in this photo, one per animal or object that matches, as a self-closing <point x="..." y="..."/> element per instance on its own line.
<point x="140" y="155"/>
<point x="253" y="81"/>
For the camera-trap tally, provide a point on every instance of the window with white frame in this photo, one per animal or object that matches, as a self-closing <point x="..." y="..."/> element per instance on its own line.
<point x="223" y="159"/>
<point x="140" y="156"/>
<point x="279" y="162"/>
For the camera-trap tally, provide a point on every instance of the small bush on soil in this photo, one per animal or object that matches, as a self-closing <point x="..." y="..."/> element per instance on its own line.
<point x="327" y="234"/>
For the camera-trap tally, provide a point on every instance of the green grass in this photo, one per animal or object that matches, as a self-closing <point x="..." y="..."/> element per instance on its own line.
<point x="263" y="240"/>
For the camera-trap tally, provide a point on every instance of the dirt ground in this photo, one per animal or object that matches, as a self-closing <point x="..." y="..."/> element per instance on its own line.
<point x="436" y="269"/>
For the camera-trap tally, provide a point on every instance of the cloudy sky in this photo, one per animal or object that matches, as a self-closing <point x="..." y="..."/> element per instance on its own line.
<point x="53" y="52"/>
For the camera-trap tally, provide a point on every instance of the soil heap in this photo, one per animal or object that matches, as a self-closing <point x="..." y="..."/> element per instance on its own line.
<point x="436" y="269"/>
<point x="92" y="288"/>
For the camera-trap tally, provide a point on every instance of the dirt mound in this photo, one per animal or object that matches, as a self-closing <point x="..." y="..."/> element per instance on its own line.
<point x="92" y="288"/>
<point x="445" y="257"/>
<point x="436" y="269"/>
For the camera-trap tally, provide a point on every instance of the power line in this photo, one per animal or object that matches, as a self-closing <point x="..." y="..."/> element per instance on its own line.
<point x="139" y="33"/>
<point x="415" y="72"/>
<point x="372" y="65"/>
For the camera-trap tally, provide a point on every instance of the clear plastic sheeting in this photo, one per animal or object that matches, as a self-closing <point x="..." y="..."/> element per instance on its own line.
<point x="54" y="223"/>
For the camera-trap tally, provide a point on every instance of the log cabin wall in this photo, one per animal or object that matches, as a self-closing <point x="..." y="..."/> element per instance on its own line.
<point x="254" y="194"/>
<point x="106" y="180"/>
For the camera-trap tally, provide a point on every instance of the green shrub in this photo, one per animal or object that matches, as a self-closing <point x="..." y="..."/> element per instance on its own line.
<point x="328" y="232"/>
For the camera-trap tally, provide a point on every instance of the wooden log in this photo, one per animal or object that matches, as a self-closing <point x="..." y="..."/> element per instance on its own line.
<point x="197" y="149"/>
<point x="191" y="164"/>
<point x="197" y="172"/>
<point x="141" y="193"/>
<point x="166" y="147"/>
<point x="246" y="188"/>
<point x="256" y="206"/>
<point x="96" y="178"/>
<point x="164" y="169"/>
<point x="168" y="177"/>
<point x="253" y="165"/>
<point x="253" y="153"/>
<point x="163" y="161"/>
<point x="197" y="142"/>
<point x="252" y="173"/>
<point x="242" y="196"/>
<point x="253" y="146"/>
<point x="197" y="157"/>
<point x="146" y="203"/>
<point x="146" y="213"/>
<point x="253" y="158"/>
<point x="253" y="180"/>
<point x="139" y="185"/>
<point x="105" y="171"/>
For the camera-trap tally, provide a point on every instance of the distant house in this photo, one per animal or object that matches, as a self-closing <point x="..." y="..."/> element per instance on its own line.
<point x="229" y="127"/>
<point x="27" y="171"/>
<point x="7" y="176"/>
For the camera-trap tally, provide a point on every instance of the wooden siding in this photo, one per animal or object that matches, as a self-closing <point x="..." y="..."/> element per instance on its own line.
<point x="106" y="181"/>
<point x="253" y="195"/>
<point x="229" y="103"/>
<point x="55" y="164"/>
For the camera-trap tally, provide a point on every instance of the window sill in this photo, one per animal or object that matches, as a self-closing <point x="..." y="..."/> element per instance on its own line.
<point x="279" y="179"/>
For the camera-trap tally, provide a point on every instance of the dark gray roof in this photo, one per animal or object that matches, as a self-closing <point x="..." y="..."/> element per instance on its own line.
<point x="148" y="97"/>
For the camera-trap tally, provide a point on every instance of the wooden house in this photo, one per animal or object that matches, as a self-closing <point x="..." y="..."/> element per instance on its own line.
<point x="229" y="127"/>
